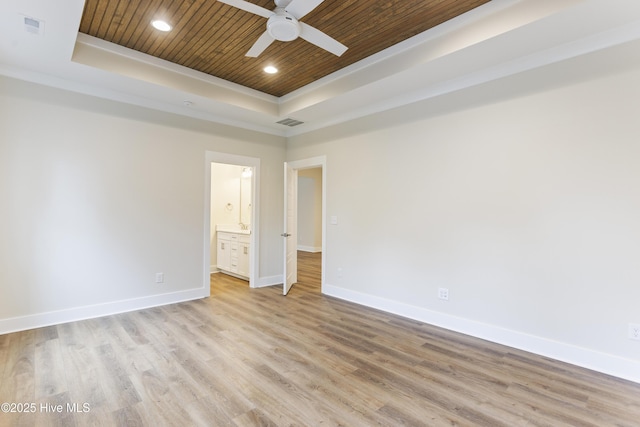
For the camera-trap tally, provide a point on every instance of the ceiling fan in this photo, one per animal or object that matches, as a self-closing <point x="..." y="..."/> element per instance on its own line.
<point x="283" y="25"/>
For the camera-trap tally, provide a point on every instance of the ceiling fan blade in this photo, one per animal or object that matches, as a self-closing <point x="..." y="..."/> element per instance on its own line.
<point x="263" y="42"/>
<point x="300" y="8"/>
<point x="249" y="7"/>
<point x="320" y="39"/>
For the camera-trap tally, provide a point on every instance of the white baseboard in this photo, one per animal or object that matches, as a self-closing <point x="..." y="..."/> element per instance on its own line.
<point x="15" y="324"/>
<point x="310" y="248"/>
<point x="590" y="359"/>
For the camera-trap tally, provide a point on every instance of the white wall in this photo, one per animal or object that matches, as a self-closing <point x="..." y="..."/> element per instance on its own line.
<point x="310" y="209"/>
<point x="527" y="209"/>
<point x="97" y="197"/>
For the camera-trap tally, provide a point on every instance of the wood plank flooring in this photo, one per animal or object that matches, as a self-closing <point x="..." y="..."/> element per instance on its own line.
<point x="251" y="357"/>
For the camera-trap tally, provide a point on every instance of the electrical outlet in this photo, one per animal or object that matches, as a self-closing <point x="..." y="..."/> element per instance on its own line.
<point x="634" y="331"/>
<point x="159" y="277"/>
<point x="443" y="294"/>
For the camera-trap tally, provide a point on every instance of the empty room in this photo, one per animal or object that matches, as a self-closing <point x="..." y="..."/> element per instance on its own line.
<point x="307" y="212"/>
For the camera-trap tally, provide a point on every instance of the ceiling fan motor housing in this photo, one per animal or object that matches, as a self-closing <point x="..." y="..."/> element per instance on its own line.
<point x="283" y="27"/>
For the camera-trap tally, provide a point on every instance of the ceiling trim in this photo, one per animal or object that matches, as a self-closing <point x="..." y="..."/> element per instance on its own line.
<point x="117" y="59"/>
<point x="495" y="40"/>
<point x="211" y="94"/>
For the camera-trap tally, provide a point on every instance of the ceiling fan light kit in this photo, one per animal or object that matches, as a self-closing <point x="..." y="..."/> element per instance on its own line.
<point x="283" y="25"/>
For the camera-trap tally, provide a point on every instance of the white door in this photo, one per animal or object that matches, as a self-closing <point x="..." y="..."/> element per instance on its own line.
<point x="290" y="228"/>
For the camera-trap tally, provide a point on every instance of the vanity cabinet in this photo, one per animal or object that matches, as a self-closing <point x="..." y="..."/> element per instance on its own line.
<point x="243" y="256"/>
<point x="224" y="252"/>
<point x="233" y="253"/>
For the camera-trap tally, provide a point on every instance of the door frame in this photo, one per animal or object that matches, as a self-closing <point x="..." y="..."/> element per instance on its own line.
<point x="310" y="163"/>
<point x="254" y="237"/>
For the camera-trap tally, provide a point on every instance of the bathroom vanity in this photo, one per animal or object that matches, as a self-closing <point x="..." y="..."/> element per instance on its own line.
<point x="233" y="251"/>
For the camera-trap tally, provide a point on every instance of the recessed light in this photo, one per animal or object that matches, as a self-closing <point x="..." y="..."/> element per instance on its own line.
<point x="270" y="69"/>
<point x="161" y="25"/>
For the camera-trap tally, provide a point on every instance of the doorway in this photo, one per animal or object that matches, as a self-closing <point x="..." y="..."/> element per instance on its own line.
<point x="309" y="228"/>
<point x="232" y="195"/>
<point x="295" y="237"/>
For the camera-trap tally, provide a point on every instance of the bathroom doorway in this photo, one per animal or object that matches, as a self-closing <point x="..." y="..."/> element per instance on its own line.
<point x="232" y="195"/>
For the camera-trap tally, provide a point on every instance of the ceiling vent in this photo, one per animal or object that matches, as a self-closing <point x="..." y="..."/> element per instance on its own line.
<point x="33" y="25"/>
<point x="290" y="122"/>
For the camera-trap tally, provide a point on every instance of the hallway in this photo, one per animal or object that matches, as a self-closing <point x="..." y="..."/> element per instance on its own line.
<point x="309" y="271"/>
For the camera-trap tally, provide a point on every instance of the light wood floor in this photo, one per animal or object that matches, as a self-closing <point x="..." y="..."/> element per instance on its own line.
<point x="251" y="357"/>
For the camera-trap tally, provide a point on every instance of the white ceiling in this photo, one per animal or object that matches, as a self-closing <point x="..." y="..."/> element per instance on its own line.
<point x="501" y="38"/>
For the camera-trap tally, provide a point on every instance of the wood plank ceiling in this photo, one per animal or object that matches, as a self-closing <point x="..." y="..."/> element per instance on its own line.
<point x="212" y="37"/>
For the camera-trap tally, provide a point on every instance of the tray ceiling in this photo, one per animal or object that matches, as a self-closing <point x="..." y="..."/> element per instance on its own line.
<point x="212" y="37"/>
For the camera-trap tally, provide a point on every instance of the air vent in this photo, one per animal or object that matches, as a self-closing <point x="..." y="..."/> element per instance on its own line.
<point x="290" y="122"/>
<point x="33" y="26"/>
